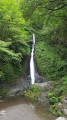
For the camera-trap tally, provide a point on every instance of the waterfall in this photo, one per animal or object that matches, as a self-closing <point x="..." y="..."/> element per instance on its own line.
<point x="32" y="70"/>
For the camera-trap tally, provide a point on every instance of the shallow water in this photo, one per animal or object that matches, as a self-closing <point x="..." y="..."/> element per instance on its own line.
<point x="20" y="108"/>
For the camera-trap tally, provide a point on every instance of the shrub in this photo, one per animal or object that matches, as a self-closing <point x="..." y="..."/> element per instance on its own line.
<point x="33" y="92"/>
<point x="35" y="89"/>
<point x="9" y="73"/>
<point x="51" y="94"/>
<point x="53" y="100"/>
<point x="1" y="76"/>
<point x="59" y="113"/>
<point x="49" y="63"/>
<point x="3" y="92"/>
<point x="55" y="111"/>
<point x="10" y="65"/>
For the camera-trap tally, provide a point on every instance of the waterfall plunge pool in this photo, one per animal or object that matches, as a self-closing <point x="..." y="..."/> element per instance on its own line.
<point x="20" y="108"/>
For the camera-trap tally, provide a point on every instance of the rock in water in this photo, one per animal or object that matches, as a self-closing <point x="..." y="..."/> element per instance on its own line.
<point x="3" y="112"/>
<point x="61" y="118"/>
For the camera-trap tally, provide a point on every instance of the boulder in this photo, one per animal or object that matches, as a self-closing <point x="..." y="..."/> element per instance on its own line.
<point x="1" y="101"/>
<point x="47" y="86"/>
<point x="60" y="105"/>
<point x="43" y="98"/>
<point x="39" y="79"/>
<point x="61" y="118"/>
<point x="64" y="100"/>
<point x="65" y="111"/>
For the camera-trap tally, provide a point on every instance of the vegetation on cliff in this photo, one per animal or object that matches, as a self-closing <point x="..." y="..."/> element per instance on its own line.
<point x="48" y="19"/>
<point x="14" y="39"/>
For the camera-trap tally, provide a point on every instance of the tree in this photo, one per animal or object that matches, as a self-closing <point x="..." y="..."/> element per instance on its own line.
<point x="13" y="39"/>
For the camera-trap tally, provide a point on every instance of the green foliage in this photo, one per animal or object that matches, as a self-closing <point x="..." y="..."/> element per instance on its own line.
<point x="49" y="63"/>
<point x="10" y="66"/>
<point x="53" y="100"/>
<point x="60" y="91"/>
<point x="1" y="76"/>
<point x="49" y="20"/>
<point x="4" y="44"/>
<point x="12" y="26"/>
<point x="8" y="73"/>
<point x="3" y="92"/>
<point x="33" y="92"/>
<point x="52" y="94"/>
<point x="59" y="113"/>
<point x="64" y="81"/>
<point x="55" y="111"/>
<point x="52" y="109"/>
<point x="14" y="41"/>
<point x="61" y="87"/>
<point x="35" y="89"/>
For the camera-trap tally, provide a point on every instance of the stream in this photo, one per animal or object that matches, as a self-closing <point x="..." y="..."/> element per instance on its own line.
<point x="20" y="108"/>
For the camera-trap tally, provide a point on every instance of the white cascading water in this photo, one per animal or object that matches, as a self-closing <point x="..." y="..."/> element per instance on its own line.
<point x="32" y="70"/>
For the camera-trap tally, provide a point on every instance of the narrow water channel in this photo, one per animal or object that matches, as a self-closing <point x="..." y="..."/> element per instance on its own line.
<point x="20" y="108"/>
